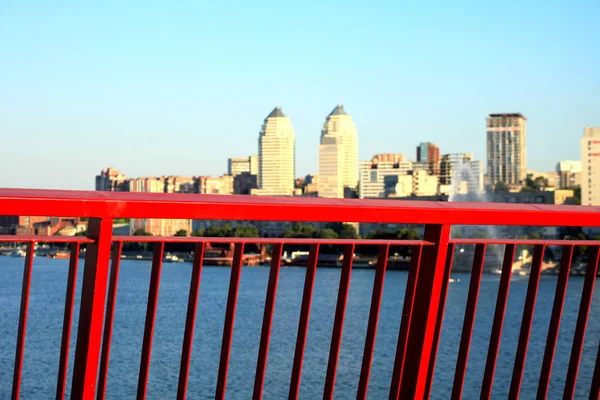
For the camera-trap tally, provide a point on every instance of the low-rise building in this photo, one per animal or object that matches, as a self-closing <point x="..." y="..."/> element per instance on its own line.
<point x="569" y="174"/>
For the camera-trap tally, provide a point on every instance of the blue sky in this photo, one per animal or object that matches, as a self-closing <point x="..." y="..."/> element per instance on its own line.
<point x="156" y="88"/>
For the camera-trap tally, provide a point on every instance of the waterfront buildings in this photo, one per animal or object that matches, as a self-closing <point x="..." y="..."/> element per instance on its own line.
<point x="388" y="179"/>
<point x="338" y="155"/>
<point x="569" y="174"/>
<point x="590" y="167"/>
<point x="276" y="159"/>
<point x="236" y="166"/>
<point x="110" y="179"/>
<point x="506" y="158"/>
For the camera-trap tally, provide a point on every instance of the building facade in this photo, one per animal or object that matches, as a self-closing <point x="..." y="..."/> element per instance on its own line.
<point x="386" y="179"/>
<point x="506" y="150"/>
<point x="429" y="153"/>
<point x="569" y="174"/>
<point x="244" y="183"/>
<point x="338" y="155"/>
<point x="461" y="173"/>
<point x="111" y="180"/>
<point x="236" y="166"/>
<point x="276" y="159"/>
<point x="590" y="167"/>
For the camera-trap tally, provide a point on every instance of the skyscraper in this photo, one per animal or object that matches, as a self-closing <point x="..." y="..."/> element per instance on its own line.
<point x="338" y="155"/>
<point x="506" y="148"/>
<point x="590" y="167"/>
<point x="276" y="159"/>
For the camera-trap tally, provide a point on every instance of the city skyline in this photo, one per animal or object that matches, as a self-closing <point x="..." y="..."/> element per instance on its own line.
<point x="167" y="90"/>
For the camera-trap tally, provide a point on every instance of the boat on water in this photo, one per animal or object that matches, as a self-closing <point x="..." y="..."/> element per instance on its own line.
<point x="18" y="253"/>
<point x="59" y="254"/>
<point x="173" y="258"/>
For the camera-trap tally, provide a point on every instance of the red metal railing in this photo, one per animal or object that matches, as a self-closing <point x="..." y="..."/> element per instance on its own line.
<point x="423" y="307"/>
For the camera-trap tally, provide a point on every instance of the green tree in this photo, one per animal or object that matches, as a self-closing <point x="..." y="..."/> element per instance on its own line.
<point x="300" y="231"/>
<point x="198" y="233"/>
<point x="247" y="231"/>
<point x="501" y="187"/>
<point x="348" y="232"/>
<point x="181" y="232"/>
<point x="327" y="233"/>
<point x="141" y="232"/>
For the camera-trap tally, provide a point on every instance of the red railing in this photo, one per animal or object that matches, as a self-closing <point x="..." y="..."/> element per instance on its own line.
<point x="423" y="307"/>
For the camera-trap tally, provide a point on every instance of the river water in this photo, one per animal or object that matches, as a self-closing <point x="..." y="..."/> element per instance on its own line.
<point x="47" y="302"/>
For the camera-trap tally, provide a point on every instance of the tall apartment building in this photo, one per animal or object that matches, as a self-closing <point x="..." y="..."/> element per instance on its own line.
<point x="111" y="180"/>
<point x="506" y="151"/>
<point x="338" y="155"/>
<point x="236" y="166"/>
<point x="569" y="174"/>
<point x="429" y="153"/>
<point x="276" y="158"/>
<point x="462" y="172"/>
<point x="590" y="167"/>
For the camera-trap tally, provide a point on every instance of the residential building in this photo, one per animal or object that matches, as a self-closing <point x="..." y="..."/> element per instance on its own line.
<point x="386" y="179"/>
<point x="111" y="180"/>
<point x="236" y="166"/>
<point x="553" y="178"/>
<point x="244" y="183"/>
<point x="214" y="184"/>
<point x="429" y="153"/>
<point x="276" y="159"/>
<point x="569" y="174"/>
<point x="179" y="184"/>
<point x="338" y="155"/>
<point x="389" y="157"/>
<point x="506" y="151"/>
<point x="590" y="167"/>
<point x="160" y="227"/>
<point x="461" y="172"/>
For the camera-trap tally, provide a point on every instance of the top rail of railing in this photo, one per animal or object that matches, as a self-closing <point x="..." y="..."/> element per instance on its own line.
<point x="36" y="202"/>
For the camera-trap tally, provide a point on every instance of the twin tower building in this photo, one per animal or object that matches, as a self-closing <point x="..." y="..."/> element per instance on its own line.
<point x="338" y="156"/>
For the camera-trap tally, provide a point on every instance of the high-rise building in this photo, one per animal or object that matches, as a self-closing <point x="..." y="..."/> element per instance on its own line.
<point x="590" y="167"/>
<point x="569" y="174"/>
<point x="276" y="158"/>
<point x="429" y="154"/>
<point x="506" y="149"/>
<point x="236" y="166"/>
<point x="338" y="155"/>
<point x="111" y="180"/>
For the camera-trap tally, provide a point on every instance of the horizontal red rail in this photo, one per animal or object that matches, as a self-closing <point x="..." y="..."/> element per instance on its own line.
<point x="197" y="239"/>
<point x="527" y="242"/>
<point x="44" y="239"/>
<point x="110" y="205"/>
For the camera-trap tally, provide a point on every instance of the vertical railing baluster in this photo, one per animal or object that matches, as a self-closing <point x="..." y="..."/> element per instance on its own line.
<point x="440" y="318"/>
<point x="190" y="321"/>
<point x="234" y="284"/>
<point x="109" y="318"/>
<point x="405" y="319"/>
<point x="91" y="314"/>
<point x="554" y="327"/>
<point x="382" y="260"/>
<point x="265" y="335"/>
<point x="157" y="260"/>
<point x="469" y="322"/>
<point x="309" y="284"/>
<point x="582" y="317"/>
<point x="63" y="363"/>
<point x="427" y="297"/>
<point x="527" y="320"/>
<point x="20" y="351"/>
<point x="338" y="323"/>
<point x="595" y="387"/>
<point x="496" y="335"/>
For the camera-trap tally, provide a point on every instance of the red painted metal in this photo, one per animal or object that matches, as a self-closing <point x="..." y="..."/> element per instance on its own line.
<point x="265" y="336"/>
<point x="91" y="313"/>
<point x="532" y="288"/>
<point x="440" y="318"/>
<point x="405" y="320"/>
<point x="559" y="300"/>
<point x="43" y="239"/>
<point x="365" y="372"/>
<point x="234" y="284"/>
<point x="274" y="241"/>
<point x="63" y="363"/>
<point x="190" y="321"/>
<point x="427" y="299"/>
<point x="582" y="317"/>
<point x="16" y="389"/>
<point x="469" y="322"/>
<point x="309" y="284"/>
<point x="109" y="319"/>
<point x="503" y="288"/>
<point x="338" y="323"/>
<point x="157" y="260"/>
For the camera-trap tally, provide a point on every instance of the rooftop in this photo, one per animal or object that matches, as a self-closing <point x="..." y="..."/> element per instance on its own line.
<point x="518" y="115"/>
<point x="276" y="113"/>
<point x="338" y="110"/>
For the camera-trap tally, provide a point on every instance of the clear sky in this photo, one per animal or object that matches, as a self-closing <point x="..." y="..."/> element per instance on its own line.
<point x="157" y="88"/>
